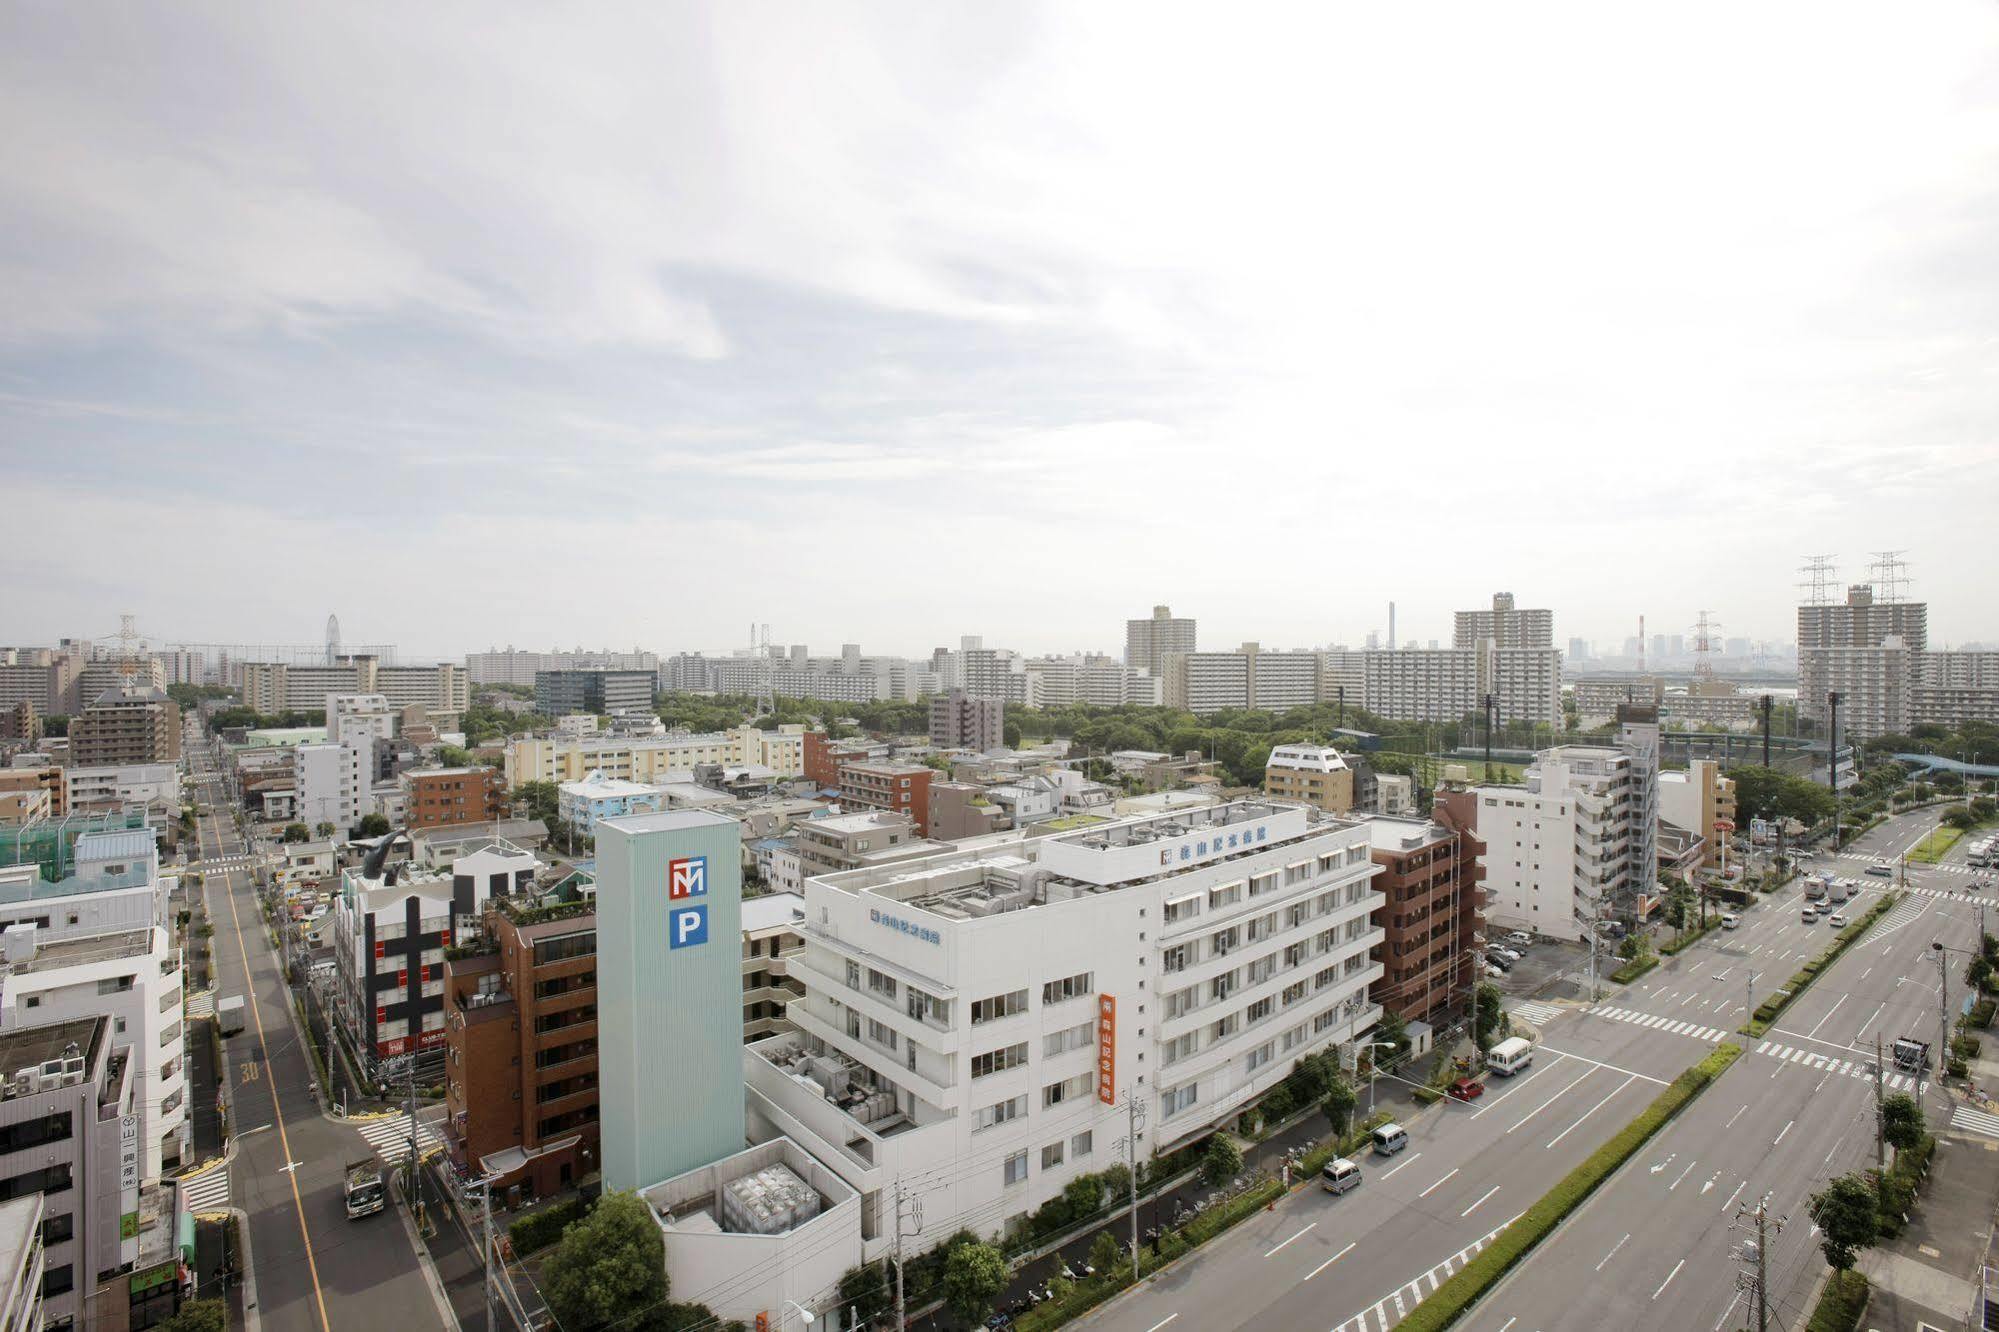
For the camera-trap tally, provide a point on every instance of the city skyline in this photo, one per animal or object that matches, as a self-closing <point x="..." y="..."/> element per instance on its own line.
<point x="974" y="303"/>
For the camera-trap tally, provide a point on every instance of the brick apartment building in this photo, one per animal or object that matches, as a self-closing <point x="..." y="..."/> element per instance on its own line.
<point x="900" y="788"/>
<point x="130" y="724"/>
<point x="520" y="1025"/>
<point x="1434" y="909"/>
<point x="447" y="797"/>
<point x="825" y="755"/>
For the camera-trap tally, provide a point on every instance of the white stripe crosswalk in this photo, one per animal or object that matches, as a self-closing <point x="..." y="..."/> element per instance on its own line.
<point x="1854" y="1068"/>
<point x="390" y="1136"/>
<point x="1975" y="1121"/>
<point x="1536" y="1012"/>
<point x="1392" y="1308"/>
<point x="1660" y="1022"/>
<point x="206" y="1190"/>
<point x="201" y="1004"/>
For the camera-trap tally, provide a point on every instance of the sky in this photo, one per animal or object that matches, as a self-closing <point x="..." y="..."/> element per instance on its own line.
<point x="635" y="324"/>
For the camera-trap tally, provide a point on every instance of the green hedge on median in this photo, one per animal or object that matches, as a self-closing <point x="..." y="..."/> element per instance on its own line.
<point x="1631" y="971"/>
<point x="1687" y="941"/>
<point x="1459" y="1293"/>
<point x="1779" y="1000"/>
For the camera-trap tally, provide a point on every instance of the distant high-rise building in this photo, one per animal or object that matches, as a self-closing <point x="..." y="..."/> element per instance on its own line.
<point x="1505" y="624"/>
<point x="1148" y="642"/>
<point x="1578" y="650"/>
<point x="959" y="720"/>
<point x="560" y="692"/>
<point x="1868" y="652"/>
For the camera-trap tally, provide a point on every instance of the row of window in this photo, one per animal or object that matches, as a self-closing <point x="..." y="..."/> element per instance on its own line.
<point x="1183" y="1001"/>
<point x="1014" y="1169"/>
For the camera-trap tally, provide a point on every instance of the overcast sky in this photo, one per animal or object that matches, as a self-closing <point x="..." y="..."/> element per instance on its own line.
<point x="484" y="324"/>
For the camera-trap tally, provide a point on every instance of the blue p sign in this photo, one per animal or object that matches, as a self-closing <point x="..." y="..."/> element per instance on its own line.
<point x="687" y="926"/>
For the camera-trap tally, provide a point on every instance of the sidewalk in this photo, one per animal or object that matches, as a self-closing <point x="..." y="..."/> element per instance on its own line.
<point x="1930" y="1272"/>
<point x="1308" y="1131"/>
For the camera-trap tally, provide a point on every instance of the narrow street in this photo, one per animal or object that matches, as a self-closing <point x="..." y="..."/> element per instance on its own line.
<point x="312" y="1267"/>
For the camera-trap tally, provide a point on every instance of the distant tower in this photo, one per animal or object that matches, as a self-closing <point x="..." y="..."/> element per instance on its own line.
<point x="1392" y="642"/>
<point x="1704" y="646"/>
<point x="332" y="639"/>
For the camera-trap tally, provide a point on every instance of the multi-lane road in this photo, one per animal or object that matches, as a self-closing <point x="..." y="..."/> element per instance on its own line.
<point x="311" y="1267"/>
<point x="1792" y="1111"/>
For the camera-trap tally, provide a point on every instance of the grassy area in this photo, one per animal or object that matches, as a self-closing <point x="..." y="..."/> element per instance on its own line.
<point x="1631" y="971"/>
<point x="1934" y="847"/>
<point x="1502" y="773"/>
<point x="1455" y="1296"/>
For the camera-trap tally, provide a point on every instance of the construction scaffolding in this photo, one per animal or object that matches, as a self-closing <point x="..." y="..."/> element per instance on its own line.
<point x="51" y="843"/>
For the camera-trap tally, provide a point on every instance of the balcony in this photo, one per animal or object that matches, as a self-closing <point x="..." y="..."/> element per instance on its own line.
<point x="563" y="1000"/>
<point x="888" y="1066"/>
<point x="585" y="1029"/>
<point x="820" y="1096"/>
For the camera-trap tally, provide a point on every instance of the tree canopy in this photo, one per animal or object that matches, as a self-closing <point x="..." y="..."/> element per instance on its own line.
<point x="609" y="1267"/>
<point x="1845" y="1214"/>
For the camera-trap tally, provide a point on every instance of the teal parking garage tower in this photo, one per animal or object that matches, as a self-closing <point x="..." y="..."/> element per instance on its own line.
<point x="669" y="994"/>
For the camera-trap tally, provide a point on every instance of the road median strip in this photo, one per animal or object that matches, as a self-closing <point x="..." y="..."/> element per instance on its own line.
<point x="1767" y="1012"/>
<point x="1456" y="1296"/>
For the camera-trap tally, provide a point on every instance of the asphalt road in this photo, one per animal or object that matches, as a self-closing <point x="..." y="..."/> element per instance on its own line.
<point x="1657" y="1245"/>
<point x="1359" y="1262"/>
<point x="312" y="1267"/>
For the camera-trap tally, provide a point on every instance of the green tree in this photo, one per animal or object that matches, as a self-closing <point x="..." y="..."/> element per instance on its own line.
<point x="1106" y="1254"/>
<point x="1492" y="1019"/>
<point x="1222" y="1161"/>
<point x="297" y="832"/>
<point x="540" y="800"/>
<point x="1010" y="734"/>
<point x="1082" y="1196"/>
<point x="1901" y="1122"/>
<point x="609" y="1267"/>
<point x="865" y="1288"/>
<point x="373" y="825"/>
<point x="1394" y="1031"/>
<point x="1117" y="1180"/>
<point x="974" y="1273"/>
<point x="1845" y="1214"/>
<point x="1338" y="1105"/>
<point x="198" y="1316"/>
<point x="56" y="724"/>
<point x="324" y="829"/>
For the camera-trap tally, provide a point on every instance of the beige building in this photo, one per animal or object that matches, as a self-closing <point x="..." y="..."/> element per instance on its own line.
<point x="272" y="687"/>
<point x="651" y="759"/>
<point x="1316" y="775"/>
<point x="1696" y="800"/>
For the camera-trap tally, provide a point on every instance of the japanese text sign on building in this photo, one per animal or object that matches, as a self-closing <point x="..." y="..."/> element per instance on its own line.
<point x="1107" y="1049"/>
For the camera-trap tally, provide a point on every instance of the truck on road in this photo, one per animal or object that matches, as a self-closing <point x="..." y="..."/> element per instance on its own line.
<point x="1911" y="1055"/>
<point x="229" y="1014"/>
<point x="367" y="1192"/>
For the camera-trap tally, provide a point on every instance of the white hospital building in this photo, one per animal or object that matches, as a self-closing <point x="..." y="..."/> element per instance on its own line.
<point x="973" y="1022"/>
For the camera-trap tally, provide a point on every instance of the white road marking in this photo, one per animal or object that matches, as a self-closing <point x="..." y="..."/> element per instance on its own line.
<point x="1550" y="1101"/>
<point x="1828" y="1015"/>
<point x="1781" y="1132"/>
<point x="1733" y="1196"/>
<point x="1162" y="1322"/>
<point x="1683" y="1174"/>
<point x="1669" y="1278"/>
<point x="1439" y="1184"/>
<point x="1592" y="1110"/>
<point x="1409" y="1162"/>
<point x="1835" y="1147"/>
<point x="1300" y="1235"/>
<point x="1612" y="1067"/>
<point x="1612" y="1254"/>
<point x="1870" y="1021"/>
<point x="1475" y="1206"/>
<point x="1329" y="1262"/>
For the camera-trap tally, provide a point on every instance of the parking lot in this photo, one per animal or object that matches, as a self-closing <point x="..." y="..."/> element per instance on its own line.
<point x="1549" y="969"/>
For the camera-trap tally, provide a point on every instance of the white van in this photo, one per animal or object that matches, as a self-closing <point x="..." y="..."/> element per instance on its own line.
<point x="1729" y="920"/>
<point x="1340" y="1175"/>
<point x="1510" y="1055"/>
<point x="1389" y="1139"/>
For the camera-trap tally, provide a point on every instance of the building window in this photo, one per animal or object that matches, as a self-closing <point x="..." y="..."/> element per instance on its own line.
<point x="1260" y="1056"/>
<point x="1051" y="1156"/>
<point x="1073" y="1038"/>
<point x="1069" y="987"/>
<point x="1000" y="1006"/>
<point x="1001" y="1113"/>
<point x="1082" y="1144"/>
<point x="1177" y="1100"/>
<point x="998" y="1061"/>
<point x="1016" y="1168"/>
<point x="1069" y="1089"/>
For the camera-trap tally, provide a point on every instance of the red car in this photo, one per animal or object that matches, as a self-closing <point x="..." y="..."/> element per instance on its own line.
<point x="1466" y="1089"/>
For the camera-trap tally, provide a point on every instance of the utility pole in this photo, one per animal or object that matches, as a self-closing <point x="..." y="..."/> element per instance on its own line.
<point x="415" y="1180"/>
<point x="1755" y="1257"/>
<point x="486" y="1257"/>
<point x="901" y="1309"/>
<point x="1135" y="1110"/>
<point x="1832" y="765"/>
<point x="1943" y="1012"/>
<point x="1880" y="1121"/>
<point x="1766" y="730"/>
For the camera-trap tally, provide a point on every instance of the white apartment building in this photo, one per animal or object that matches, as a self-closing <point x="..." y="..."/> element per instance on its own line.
<point x="153" y="784"/>
<point x="275" y="686"/>
<point x="357" y="719"/>
<point x="1504" y="625"/>
<point x="998" y="673"/>
<point x="1148" y="642"/>
<point x="132" y="977"/>
<point x="1206" y="682"/>
<point x="335" y="784"/>
<point x="1446" y="684"/>
<point x="653" y="758"/>
<point x="1343" y="676"/>
<point x="1564" y="845"/>
<point x="973" y="1022"/>
<point x="510" y="666"/>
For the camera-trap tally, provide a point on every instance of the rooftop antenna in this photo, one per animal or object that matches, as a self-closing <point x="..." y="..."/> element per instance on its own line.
<point x="1641" y="645"/>
<point x="1890" y="574"/>
<point x="1704" y="645"/>
<point x="129" y="648"/>
<point x="1821" y="577"/>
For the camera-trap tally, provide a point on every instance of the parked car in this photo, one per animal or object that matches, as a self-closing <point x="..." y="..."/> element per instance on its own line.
<point x="1466" y="1089"/>
<point x="1509" y="954"/>
<point x="1519" y="938"/>
<point x="1729" y="920"/>
<point x="1497" y="963"/>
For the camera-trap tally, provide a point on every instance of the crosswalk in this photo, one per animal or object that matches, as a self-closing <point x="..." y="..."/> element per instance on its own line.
<point x="389" y="1136"/>
<point x="201" y="1004"/>
<point x="1392" y="1308"/>
<point x="207" y="1190"/>
<point x="1659" y="1022"/>
<point x="1975" y="1121"/>
<point x="1537" y="1013"/>
<point x="1905" y="911"/>
<point x="1813" y="1059"/>
<point x="1954" y="895"/>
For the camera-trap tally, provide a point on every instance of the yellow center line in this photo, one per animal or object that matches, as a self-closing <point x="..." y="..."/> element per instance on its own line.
<point x="277" y="1111"/>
